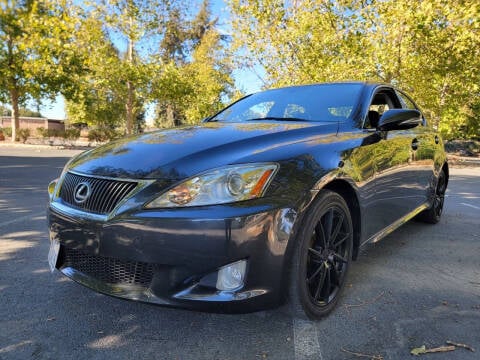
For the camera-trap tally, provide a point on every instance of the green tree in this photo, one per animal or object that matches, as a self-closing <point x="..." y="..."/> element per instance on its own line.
<point x="100" y="100"/>
<point x="138" y="23"/>
<point x="209" y="75"/>
<point x="4" y="111"/>
<point x="429" y="48"/>
<point x="196" y="80"/>
<point x="117" y="82"/>
<point x="36" y="57"/>
<point x="172" y="46"/>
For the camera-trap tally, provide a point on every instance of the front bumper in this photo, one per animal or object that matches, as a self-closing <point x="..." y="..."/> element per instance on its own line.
<point x="170" y="257"/>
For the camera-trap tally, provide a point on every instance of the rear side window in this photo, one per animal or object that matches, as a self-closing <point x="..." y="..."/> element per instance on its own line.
<point x="406" y="102"/>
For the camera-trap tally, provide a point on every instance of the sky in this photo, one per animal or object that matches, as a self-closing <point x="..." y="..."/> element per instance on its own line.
<point x="245" y="79"/>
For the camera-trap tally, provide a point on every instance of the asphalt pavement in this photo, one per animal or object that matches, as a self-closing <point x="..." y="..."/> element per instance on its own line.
<point x="419" y="286"/>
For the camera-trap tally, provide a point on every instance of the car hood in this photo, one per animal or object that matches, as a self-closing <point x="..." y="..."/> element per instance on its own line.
<point x="182" y="152"/>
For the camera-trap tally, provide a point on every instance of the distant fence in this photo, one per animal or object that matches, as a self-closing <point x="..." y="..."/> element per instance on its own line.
<point x="34" y="123"/>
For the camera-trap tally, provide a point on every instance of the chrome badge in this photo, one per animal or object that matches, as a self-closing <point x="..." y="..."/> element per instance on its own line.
<point x="82" y="192"/>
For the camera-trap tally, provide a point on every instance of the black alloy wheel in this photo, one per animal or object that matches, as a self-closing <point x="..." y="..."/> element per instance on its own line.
<point x="440" y="195"/>
<point x="433" y="214"/>
<point x="322" y="257"/>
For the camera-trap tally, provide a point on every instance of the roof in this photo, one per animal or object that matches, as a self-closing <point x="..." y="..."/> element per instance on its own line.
<point x="31" y="118"/>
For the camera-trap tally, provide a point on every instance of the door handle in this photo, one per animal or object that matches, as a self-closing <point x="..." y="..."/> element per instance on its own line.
<point x="414" y="144"/>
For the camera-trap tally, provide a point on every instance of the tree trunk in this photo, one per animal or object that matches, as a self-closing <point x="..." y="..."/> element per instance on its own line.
<point x="129" y="108"/>
<point x="13" y="89"/>
<point x="15" y="121"/>
<point x="170" y="116"/>
<point x="130" y="89"/>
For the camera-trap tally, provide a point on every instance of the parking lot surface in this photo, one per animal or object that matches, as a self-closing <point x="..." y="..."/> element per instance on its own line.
<point x="419" y="286"/>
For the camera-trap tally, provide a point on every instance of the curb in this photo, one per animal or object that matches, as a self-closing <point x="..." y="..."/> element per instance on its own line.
<point x="31" y="146"/>
<point x="455" y="160"/>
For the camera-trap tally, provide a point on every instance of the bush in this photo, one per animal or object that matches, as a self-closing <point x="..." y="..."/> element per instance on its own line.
<point x="23" y="134"/>
<point x="40" y="132"/>
<point x="71" y="134"/>
<point x="102" y="134"/>
<point x="7" y="131"/>
<point x="55" y="133"/>
<point x="47" y="134"/>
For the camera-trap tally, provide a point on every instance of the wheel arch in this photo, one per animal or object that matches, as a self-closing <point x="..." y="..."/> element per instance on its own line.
<point x="348" y="193"/>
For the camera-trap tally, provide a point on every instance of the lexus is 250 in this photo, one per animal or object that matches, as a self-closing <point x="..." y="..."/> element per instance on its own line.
<point x="266" y="202"/>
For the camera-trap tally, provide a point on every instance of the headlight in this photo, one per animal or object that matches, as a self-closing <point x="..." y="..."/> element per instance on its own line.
<point x="51" y="189"/>
<point x="220" y="186"/>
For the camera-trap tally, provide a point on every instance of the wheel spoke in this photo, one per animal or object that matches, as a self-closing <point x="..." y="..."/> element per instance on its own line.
<point x="325" y="292"/>
<point x="322" y="234"/>
<point x="335" y="276"/>
<point x="316" y="272"/>
<point x="340" y="242"/>
<point x="320" y="284"/>
<point x="316" y="252"/>
<point x="340" y="258"/>
<point x="337" y="229"/>
<point x="328" y="226"/>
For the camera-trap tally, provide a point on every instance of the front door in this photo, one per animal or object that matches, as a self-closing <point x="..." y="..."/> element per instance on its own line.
<point x="396" y="184"/>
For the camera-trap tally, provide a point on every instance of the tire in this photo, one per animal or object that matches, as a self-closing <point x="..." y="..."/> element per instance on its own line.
<point x="321" y="258"/>
<point x="433" y="214"/>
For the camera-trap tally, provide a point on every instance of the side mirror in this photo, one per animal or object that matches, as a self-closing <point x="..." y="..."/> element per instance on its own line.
<point x="399" y="119"/>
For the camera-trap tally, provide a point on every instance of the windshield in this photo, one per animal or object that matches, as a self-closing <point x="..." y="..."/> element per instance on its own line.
<point x="326" y="102"/>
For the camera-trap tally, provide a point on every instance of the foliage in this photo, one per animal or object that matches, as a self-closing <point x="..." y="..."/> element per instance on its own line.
<point x="72" y="134"/>
<point x="98" y="101"/>
<point x="28" y="113"/>
<point x="138" y="23"/>
<point x="7" y="131"/>
<point x="40" y="132"/>
<point x="429" y="48"/>
<point x="110" y="59"/>
<point x="37" y="57"/>
<point x="192" y="87"/>
<point x="4" y="111"/>
<point x="209" y="77"/>
<point x="23" y="134"/>
<point x="68" y="135"/>
<point x="102" y="134"/>
<point x="22" y="111"/>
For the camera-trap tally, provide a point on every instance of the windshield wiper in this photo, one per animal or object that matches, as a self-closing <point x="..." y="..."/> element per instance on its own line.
<point x="278" y="118"/>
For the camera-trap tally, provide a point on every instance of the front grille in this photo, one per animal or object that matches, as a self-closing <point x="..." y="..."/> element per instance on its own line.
<point x="109" y="270"/>
<point x="105" y="193"/>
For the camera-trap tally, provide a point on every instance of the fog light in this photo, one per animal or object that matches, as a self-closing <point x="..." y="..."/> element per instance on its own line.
<point x="51" y="189"/>
<point x="231" y="276"/>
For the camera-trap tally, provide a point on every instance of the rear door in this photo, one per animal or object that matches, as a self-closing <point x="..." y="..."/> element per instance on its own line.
<point x="427" y="144"/>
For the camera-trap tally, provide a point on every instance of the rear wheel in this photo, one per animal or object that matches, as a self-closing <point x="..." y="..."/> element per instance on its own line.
<point x="322" y="257"/>
<point x="433" y="214"/>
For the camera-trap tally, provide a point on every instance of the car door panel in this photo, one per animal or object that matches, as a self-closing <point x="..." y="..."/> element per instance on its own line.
<point x="397" y="188"/>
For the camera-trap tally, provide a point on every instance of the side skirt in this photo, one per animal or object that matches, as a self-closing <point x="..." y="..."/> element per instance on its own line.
<point x="389" y="229"/>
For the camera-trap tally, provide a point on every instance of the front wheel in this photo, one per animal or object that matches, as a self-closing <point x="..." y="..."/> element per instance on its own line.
<point x="322" y="256"/>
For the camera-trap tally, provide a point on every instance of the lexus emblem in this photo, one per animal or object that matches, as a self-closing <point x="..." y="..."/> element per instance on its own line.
<point x="81" y="192"/>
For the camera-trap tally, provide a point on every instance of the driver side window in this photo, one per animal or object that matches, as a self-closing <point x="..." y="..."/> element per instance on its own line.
<point x="382" y="101"/>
